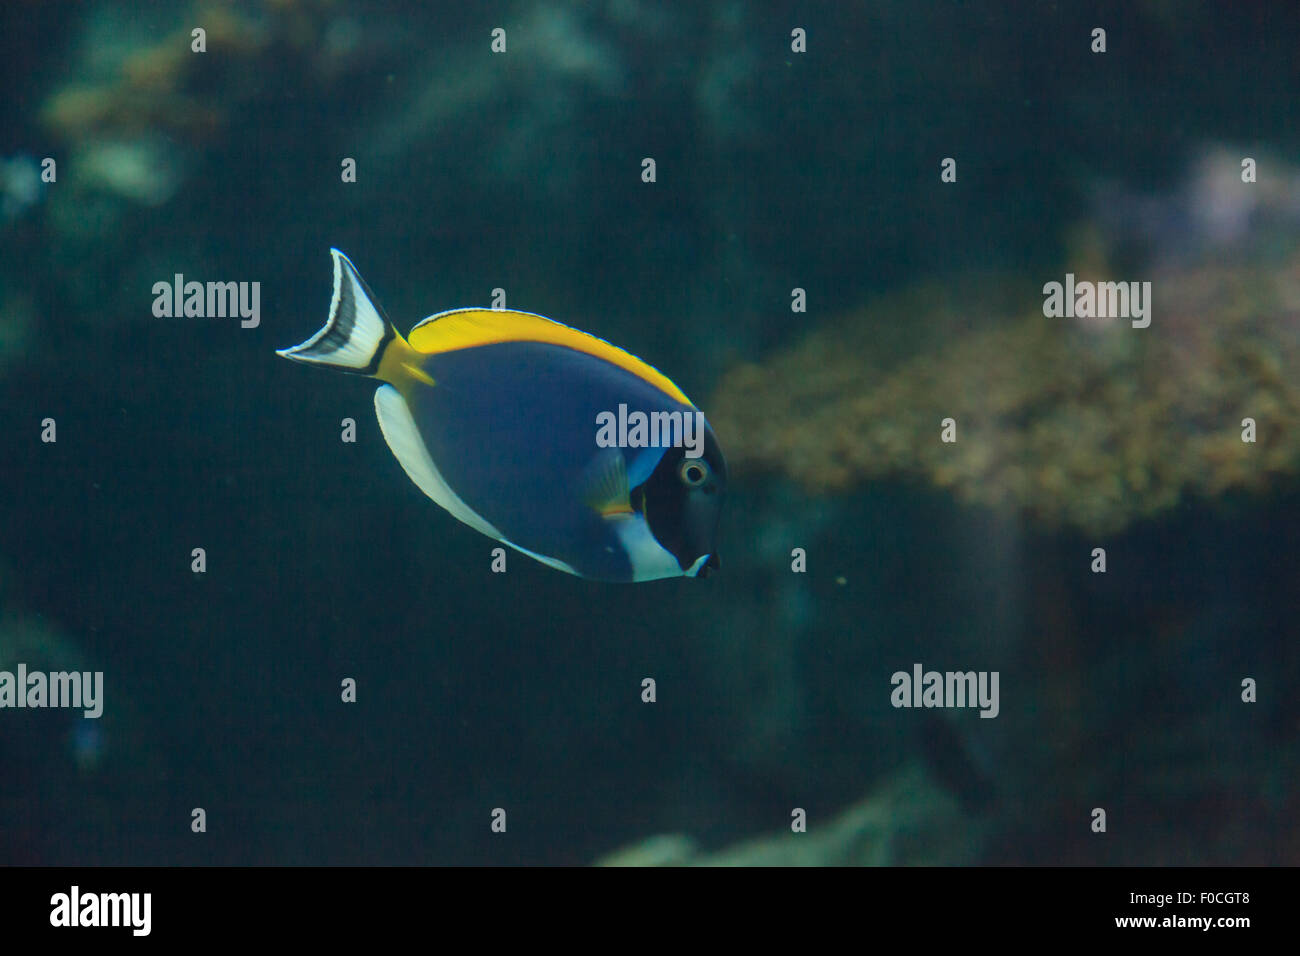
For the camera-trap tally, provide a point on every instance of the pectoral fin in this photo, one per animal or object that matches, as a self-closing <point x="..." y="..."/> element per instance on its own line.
<point x="604" y="484"/>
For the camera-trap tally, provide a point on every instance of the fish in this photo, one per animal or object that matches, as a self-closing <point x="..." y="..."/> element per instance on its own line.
<point x="545" y="438"/>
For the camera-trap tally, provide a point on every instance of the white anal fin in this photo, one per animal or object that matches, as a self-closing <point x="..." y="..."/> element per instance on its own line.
<point x="408" y="447"/>
<point x="404" y="439"/>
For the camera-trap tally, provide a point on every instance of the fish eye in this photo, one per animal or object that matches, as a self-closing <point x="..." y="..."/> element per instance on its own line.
<point x="693" y="472"/>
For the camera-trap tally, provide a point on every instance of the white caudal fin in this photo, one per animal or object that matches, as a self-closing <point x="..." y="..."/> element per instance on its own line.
<point x="357" y="332"/>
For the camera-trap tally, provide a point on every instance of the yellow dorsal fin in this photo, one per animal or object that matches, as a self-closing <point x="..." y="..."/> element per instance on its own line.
<point x="468" y="328"/>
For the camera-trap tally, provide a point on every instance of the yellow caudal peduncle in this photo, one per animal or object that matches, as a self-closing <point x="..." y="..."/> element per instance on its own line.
<point x="402" y="366"/>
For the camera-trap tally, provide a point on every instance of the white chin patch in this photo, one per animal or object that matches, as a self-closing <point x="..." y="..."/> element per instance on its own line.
<point x="650" y="560"/>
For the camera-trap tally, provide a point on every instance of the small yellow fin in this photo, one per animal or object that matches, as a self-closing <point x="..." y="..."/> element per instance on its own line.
<point x="417" y="373"/>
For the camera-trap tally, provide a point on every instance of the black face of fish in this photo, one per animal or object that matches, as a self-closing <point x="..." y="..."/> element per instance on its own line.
<point x="682" y="501"/>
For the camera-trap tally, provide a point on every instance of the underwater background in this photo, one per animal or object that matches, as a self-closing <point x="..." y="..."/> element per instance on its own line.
<point x="777" y="169"/>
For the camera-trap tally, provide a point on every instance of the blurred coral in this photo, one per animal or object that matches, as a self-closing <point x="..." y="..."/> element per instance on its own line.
<point x="166" y="89"/>
<point x="1092" y="425"/>
<point x="907" y="821"/>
